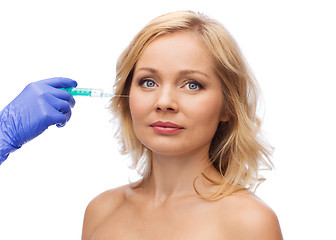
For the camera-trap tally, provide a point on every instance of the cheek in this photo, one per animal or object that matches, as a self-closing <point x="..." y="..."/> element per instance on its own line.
<point x="139" y="107"/>
<point x="136" y="109"/>
<point x="136" y="115"/>
<point x="134" y="103"/>
<point x="208" y="111"/>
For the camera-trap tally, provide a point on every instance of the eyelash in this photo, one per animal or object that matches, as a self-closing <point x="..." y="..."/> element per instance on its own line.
<point x="145" y="80"/>
<point x="199" y="86"/>
<point x="142" y="82"/>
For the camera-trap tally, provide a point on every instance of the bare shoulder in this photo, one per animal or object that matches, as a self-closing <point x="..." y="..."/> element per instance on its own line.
<point x="108" y="199"/>
<point x="248" y="217"/>
<point x="101" y="207"/>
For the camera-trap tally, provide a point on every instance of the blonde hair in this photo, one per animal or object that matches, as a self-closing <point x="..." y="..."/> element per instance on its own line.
<point x="237" y="150"/>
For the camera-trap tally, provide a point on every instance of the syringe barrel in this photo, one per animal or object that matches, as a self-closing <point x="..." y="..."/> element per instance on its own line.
<point x="91" y="92"/>
<point x="97" y="92"/>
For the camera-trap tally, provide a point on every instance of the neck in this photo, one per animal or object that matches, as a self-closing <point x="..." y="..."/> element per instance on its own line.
<point x="174" y="176"/>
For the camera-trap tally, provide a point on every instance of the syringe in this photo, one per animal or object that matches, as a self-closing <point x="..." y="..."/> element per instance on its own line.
<point x="90" y="92"/>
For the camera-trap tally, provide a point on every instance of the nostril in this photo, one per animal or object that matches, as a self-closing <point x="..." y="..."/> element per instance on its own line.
<point x="165" y="109"/>
<point x="165" y="103"/>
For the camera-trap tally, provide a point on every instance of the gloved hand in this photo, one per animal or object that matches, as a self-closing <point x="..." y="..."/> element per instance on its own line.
<point x="38" y="106"/>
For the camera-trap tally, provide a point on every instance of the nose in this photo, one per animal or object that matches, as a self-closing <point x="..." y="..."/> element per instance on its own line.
<point x="166" y="100"/>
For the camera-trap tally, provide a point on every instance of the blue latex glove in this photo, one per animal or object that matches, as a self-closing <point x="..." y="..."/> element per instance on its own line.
<point x="40" y="105"/>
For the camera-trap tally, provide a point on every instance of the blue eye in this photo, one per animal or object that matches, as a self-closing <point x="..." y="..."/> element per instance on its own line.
<point x="193" y="85"/>
<point x="147" y="83"/>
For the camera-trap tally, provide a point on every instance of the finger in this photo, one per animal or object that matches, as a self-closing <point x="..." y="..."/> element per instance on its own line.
<point x="59" y="125"/>
<point x="53" y="116"/>
<point x="60" y="105"/>
<point x="60" y="82"/>
<point x="64" y="95"/>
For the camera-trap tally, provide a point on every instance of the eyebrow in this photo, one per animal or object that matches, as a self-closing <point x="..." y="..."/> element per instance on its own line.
<point x="182" y="73"/>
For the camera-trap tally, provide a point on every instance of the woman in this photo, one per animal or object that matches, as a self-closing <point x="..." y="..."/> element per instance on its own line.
<point x="190" y="125"/>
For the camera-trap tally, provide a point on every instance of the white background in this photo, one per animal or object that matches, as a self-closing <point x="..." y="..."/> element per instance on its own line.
<point x="290" y="45"/>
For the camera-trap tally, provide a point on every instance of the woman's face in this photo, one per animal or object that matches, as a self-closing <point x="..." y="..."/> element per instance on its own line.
<point x="176" y="100"/>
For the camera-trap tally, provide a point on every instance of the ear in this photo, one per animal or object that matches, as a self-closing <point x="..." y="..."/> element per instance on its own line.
<point x="224" y="117"/>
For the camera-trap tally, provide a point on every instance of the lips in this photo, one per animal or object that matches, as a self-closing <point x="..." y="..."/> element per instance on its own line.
<point x="166" y="128"/>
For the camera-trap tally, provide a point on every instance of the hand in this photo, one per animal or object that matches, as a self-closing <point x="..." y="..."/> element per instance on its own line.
<point x="38" y="106"/>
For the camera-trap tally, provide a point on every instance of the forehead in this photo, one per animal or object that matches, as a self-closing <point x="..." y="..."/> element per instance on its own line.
<point x="179" y="50"/>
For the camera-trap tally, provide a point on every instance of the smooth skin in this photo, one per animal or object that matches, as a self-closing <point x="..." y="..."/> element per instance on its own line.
<point x="174" y="82"/>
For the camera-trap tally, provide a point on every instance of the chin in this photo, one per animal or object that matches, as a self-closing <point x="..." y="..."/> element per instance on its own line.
<point x="165" y="150"/>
